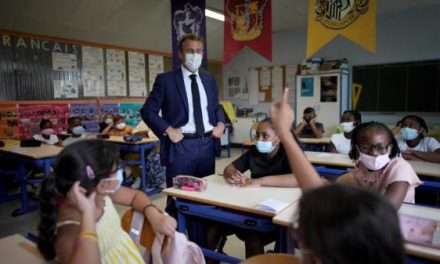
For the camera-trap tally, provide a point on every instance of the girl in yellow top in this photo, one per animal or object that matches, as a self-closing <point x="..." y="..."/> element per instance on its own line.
<point x="79" y="223"/>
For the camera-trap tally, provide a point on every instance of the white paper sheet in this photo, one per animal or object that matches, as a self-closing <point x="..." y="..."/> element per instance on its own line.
<point x="93" y="71"/>
<point x="64" y="62"/>
<point x="155" y="67"/>
<point x="116" y="74"/>
<point x="136" y="70"/>
<point x="65" y="88"/>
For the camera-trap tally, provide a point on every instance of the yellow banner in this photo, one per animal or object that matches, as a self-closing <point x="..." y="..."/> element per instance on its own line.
<point x="354" y="19"/>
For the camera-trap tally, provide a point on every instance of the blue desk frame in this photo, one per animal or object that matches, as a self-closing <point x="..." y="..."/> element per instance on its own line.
<point x="235" y="218"/>
<point x="22" y="174"/>
<point x="141" y="149"/>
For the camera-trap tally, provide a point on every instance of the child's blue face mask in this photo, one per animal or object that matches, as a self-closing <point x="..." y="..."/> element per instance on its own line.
<point x="408" y="133"/>
<point x="264" y="147"/>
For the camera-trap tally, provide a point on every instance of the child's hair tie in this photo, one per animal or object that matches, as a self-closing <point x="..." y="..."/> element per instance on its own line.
<point x="90" y="173"/>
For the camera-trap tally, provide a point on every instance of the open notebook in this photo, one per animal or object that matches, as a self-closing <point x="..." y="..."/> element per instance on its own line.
<point x="272" y="205"/>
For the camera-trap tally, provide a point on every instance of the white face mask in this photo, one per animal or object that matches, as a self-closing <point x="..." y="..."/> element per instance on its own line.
<point x="48" y="131"/>
<point x="193" y="61"/>
<point x="121" y="126"/>
<point x="347" y="126"/>
<point x="115" y="183"/>
<point x="108" y="121"/>
<point x="374" y="163"/>
<point x="78" y="130"/>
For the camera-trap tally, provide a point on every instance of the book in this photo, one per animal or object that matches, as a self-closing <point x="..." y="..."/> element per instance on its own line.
<point x="272" y="205"/>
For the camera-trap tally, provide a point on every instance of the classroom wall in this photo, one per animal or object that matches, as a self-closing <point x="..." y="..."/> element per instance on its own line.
<point x="409" y="35"/>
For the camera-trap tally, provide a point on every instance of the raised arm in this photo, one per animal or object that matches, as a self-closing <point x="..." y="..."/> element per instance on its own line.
<point x="282" y="117"/>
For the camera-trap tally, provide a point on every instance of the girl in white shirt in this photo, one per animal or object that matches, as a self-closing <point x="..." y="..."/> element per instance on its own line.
<point x="341" y="142"/>
<point x="414" y="144"/>
<point x="47" y="133"/>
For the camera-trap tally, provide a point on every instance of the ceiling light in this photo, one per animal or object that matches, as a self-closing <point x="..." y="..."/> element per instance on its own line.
<point x="214" y="15"/>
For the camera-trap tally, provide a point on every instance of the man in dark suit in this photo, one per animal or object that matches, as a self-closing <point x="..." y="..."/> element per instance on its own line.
<point x="191" y="118"/>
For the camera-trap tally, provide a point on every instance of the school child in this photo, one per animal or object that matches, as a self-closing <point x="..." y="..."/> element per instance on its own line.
<point x="309" y="127"/>
<point x="267" y="161"/>
<point x="343" y="224"/>
<point x="47" y="133"/>
<point x="413" y="142"/>
<point x="79" y="223"/>
<point x="378" y="163"/>
<point x="76" y="131"/>
<point x="119" y="128"/>
<point x="341" y="142"/>
<point x="106" y="124"/>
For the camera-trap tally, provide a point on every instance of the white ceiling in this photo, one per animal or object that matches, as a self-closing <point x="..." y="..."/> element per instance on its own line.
<point x="145" y="24"/>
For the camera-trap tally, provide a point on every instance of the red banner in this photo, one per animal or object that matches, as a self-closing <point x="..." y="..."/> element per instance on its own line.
<point x="248" y="23"/>
<point x="30" y="115"/>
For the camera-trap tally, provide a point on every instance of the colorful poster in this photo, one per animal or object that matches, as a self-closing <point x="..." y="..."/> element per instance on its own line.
<point x="111" y="109"/>
<point x="88" y="111"/>
<point x="131" y="114"/>
<point x="247" y="23"/>
<point x="187" y="17"/>
<point x="30" y="115"/>
<point x="8" y="121"/>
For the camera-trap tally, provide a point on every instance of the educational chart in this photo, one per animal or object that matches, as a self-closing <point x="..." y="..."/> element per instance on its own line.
<point x="65" y="88"/>
<point x="131" y="113"/>
<point x="116" y="74"/>
<point x="8" y="121"/>
<point x="155" y="67"/>
<point x="64" y="62"/>
<point x="277" y="82"/>
<point x="30" y="115"/>
<point x="136" y="74"/>
<point x="93" y="72"/>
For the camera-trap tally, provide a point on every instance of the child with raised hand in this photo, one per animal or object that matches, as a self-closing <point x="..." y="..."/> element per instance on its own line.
<point x="378" y="164"/>
<point x="79" y="223"/>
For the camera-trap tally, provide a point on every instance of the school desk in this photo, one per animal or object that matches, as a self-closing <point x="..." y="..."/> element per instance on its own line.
<point x="286" y="217"/>
<point x="140" y="147"/>
<point x="41" y="157"/>
<point x="316" y="144"/>
<point x="18" y="249"/>
<point x="231" y="205"/>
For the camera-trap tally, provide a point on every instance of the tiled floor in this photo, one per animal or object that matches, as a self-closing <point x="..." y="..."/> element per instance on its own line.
<point x="28" y="223"/>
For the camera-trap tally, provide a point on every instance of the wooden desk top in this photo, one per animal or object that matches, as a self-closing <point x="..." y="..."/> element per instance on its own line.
<point x="17" y="249"/>
<point x="244" y="199"/>
<point x="120" y="139"/>
<point x="286" y="217"/>
<point x="323" y="140"/>
<point x="422" y="168"/>
<point x="41" y="152"/>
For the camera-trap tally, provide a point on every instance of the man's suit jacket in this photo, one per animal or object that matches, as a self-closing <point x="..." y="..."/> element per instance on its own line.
<point x="169" y="96"/>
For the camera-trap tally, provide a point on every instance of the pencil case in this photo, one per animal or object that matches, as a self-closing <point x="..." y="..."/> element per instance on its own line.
<point x="190" y="183"/>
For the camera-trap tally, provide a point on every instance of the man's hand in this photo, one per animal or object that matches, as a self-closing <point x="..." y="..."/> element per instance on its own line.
<point x="174" y="134"/>
<point x="217" y="132"/>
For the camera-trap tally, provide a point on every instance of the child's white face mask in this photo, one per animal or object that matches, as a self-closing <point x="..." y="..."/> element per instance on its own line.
<point x="111" y="185"/>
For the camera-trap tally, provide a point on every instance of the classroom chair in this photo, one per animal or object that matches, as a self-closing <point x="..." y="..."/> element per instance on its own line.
<point x="272" y="258"/>
<point x="139" y="230"/>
